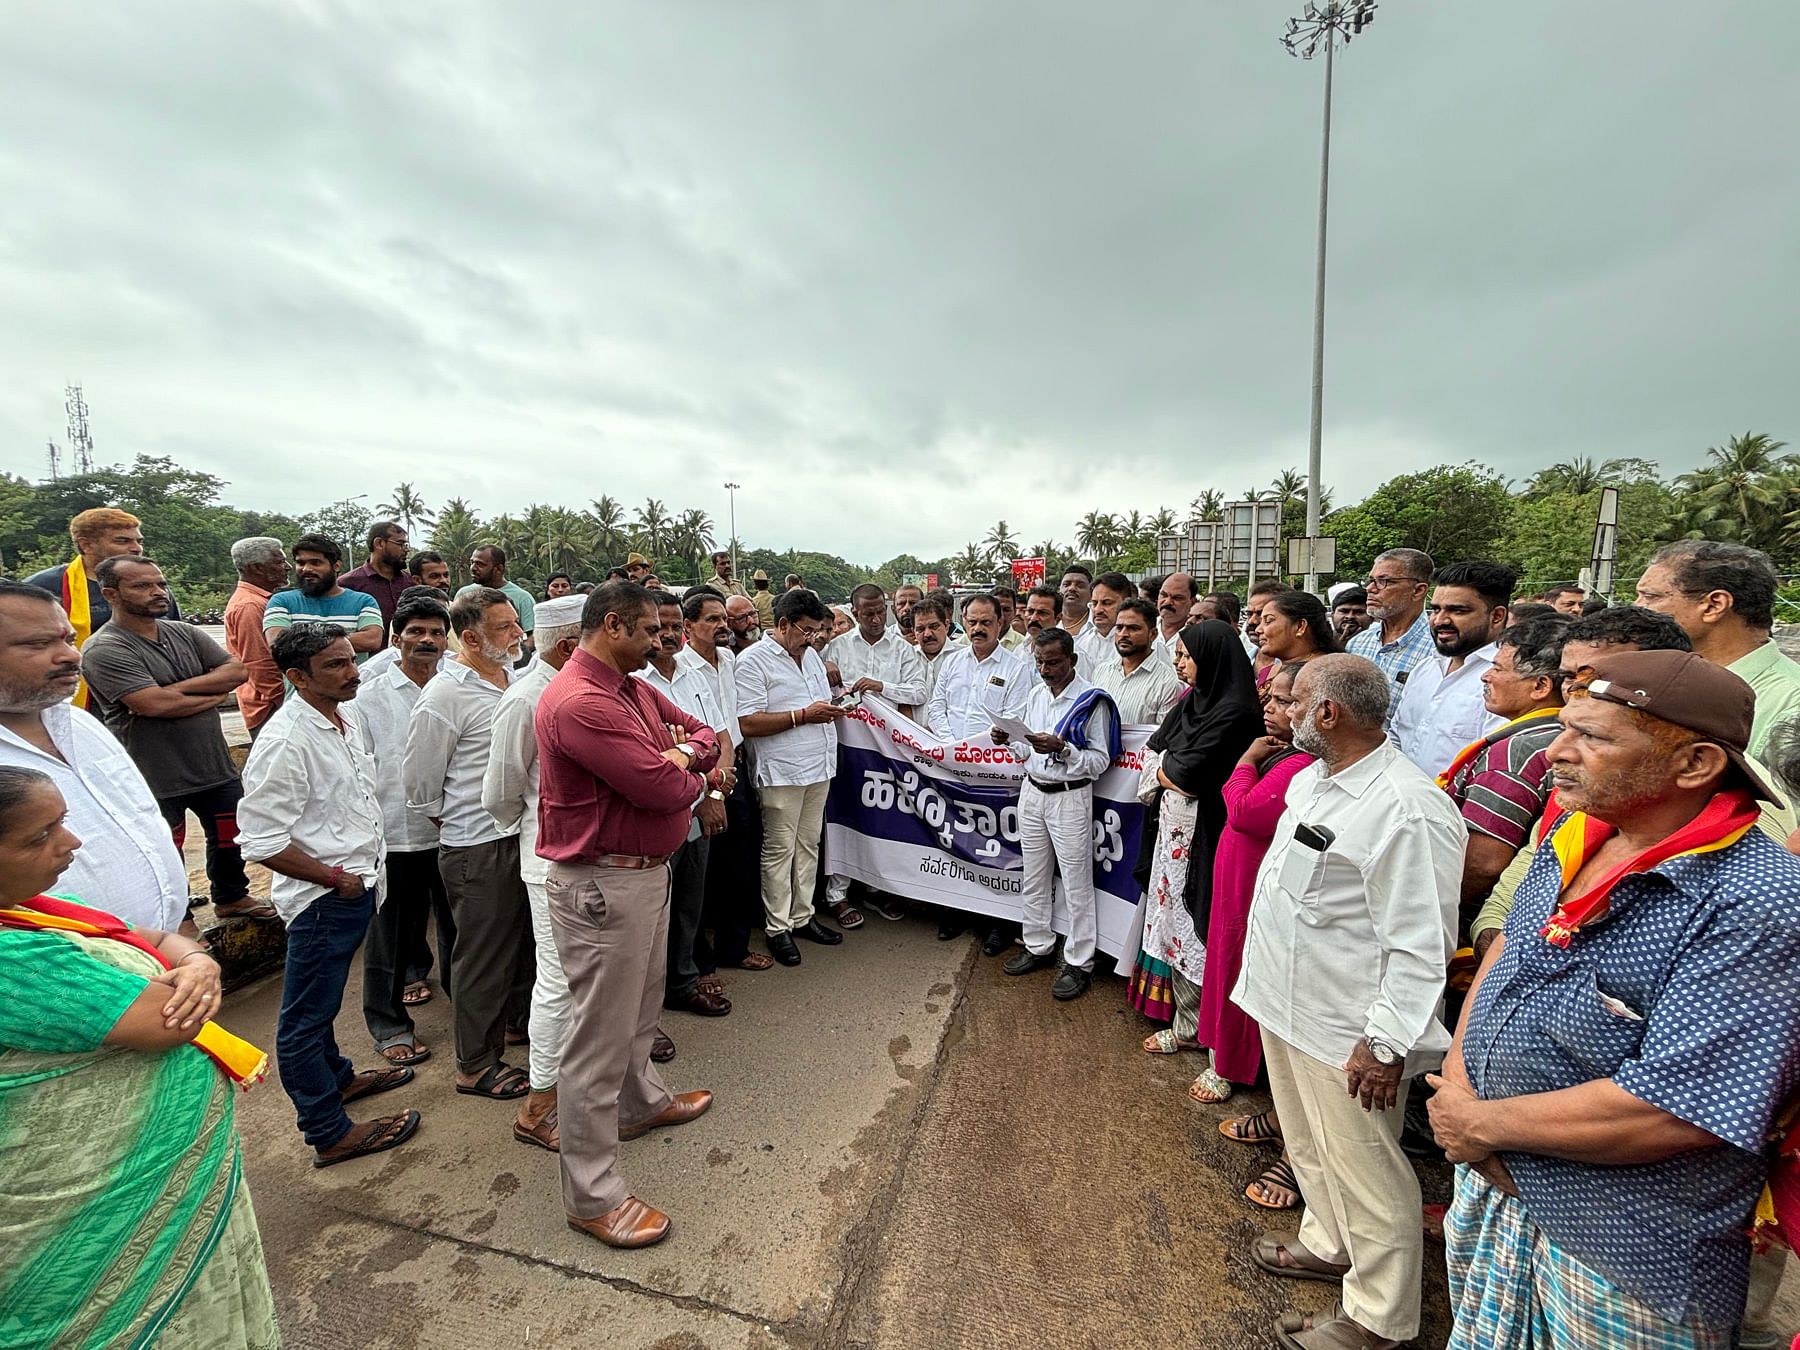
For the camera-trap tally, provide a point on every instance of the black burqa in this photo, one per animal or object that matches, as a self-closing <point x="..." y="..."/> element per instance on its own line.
<point x="1201" y="741"/>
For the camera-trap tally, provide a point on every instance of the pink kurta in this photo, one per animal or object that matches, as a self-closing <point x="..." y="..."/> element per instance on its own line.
<point x="1253" y="807"/>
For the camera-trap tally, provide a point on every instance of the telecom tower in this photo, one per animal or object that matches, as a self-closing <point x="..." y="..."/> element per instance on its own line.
<point x="81" y="445"/>
<point x="55" y="462"/>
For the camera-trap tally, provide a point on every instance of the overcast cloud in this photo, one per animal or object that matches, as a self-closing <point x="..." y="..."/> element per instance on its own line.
<point x="898" y="269"/>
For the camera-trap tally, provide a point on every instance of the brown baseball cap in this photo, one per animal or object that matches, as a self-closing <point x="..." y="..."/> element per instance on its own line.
<point x="1690" y="691"/>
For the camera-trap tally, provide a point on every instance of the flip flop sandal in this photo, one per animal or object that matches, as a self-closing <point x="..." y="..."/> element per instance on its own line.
<point x="237" y="910"/>
<point x="415" y="1053"/>
<point x="1256" y="1129"/>
<point x="1279" y="1173"/>
<point x="1266" y="1252"/>
<point x="1209" y="1089"/>
<point x="377" y="1141"/>
<point x="1166" y="1042"/>
<point x="756" y="961"/>
<point x="713" y="985"/>
<point x="501" y="1083"/>
<point x="370" y="1081"/>
<point x="416" y="994"/>
<point x="544" y="1134"/>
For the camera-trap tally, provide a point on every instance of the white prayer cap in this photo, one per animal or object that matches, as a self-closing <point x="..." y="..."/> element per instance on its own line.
<point x="560" y="612"/>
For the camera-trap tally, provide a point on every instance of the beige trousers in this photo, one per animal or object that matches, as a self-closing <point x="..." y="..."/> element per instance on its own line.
<point x="793" y="818"/>
<point x="1362" y="1196"/>
<point x="612" y="932"/>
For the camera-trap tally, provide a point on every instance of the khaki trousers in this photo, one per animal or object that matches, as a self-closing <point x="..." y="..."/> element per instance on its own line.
<point x="793" y="818"/>
<point x="1362" y="1196"/>
<point x="612" y="932"/>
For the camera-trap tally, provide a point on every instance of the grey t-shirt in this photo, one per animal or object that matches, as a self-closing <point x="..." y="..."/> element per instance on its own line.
<point x="176" y="755"/>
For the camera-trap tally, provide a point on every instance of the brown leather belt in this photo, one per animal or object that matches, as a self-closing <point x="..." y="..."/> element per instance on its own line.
<point x="631" y="861"/>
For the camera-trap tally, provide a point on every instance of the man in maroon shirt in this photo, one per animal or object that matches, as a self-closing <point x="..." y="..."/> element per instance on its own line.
<point x="384" y="575"/>
<point x="619" y="770"/>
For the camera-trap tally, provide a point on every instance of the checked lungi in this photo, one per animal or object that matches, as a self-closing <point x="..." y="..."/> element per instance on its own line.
<point x="1512" y="1288"/>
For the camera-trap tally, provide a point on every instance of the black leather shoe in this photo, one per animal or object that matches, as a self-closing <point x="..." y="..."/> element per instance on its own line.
<point x="999" y="938"/>
<point x="1023" y="963"/>
<point x="950" y="929"/>
<point x="819" y="933"/>
<point x="1072" y="982"/>
<point x="782" y="948"/>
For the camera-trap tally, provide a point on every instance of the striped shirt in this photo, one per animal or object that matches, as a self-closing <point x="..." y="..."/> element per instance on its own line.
<point x="1501" y="791"/>
<point x="346" y="611"/>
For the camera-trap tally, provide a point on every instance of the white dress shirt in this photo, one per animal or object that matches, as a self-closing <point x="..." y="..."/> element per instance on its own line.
<point x="384" y="706"/>
<point x="769" y="680"/>
<point x="1146" y="694"/>
<point x="970" y="693"/>
<point x="1043" y="710"/>
<point x="447" y="746"/>
<point x="310" y="785"/>
<point x="1441" y="711"/>
<point x="1163" y="648"/>
<point x="934" y="667"/>
<point x="1096" y="646"/>
<point x="893" y="660"/>
<point x="127" y="864"/>
<point x="721" y="682"/>
<point x="509" y="785"/>
<point x="1353" y="942"/>
<point x="687" y="690"/>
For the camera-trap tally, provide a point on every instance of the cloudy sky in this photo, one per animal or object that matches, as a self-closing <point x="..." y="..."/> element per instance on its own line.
<point x="898" y="269"/>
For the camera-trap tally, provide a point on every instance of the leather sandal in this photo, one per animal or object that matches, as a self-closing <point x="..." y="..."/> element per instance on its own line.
<point x="1301" y="1264"/>
<point x="377" y="1136"/>
<point x="370" y="1081"/>
<point x="544" y="1134"/>
<point x="1333" y="1331"/>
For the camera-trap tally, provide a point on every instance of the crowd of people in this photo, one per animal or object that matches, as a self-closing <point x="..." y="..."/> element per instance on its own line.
<point x="1511" y="878"/>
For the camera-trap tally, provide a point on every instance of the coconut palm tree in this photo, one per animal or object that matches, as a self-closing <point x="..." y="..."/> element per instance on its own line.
<point x="1209" y="505"/>
<point x="407" y="506"/>
<point x="1001" y="544"/>
<point x="1163" y="522"/>
<point x="1738" y="493"/>
<point x="652" y="526"/>
<point x="454" y="534"/>
<point x="606" y="526"/>
<point x="693" y="530"/>
<point x="1097" y="535"/>
<point x="971" y="565"/>
<point x="1289" y="486"/>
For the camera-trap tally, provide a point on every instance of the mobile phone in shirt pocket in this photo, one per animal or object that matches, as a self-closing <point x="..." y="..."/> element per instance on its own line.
<point x="1303" y="865"/>
<point x="1596" y="1029"/>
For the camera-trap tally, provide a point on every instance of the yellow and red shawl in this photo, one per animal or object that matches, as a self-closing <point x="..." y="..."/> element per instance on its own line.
<point x="75" y="605"/>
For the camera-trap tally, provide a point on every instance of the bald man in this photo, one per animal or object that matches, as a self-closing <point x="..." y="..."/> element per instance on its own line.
<point x="740" y="618"/>
<point x="1174" y="602"/>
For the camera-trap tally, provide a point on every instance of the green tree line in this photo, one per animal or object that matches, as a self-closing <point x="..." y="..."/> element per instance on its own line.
<point x="1747" y="489"/>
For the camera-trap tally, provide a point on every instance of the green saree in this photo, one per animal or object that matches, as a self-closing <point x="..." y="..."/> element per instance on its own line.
<point x="124" y="1219"/>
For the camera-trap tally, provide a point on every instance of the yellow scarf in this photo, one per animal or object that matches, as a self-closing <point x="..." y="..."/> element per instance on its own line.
<point x="75" y="605"/>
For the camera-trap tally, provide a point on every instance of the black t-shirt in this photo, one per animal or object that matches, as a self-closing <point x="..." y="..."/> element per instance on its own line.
<point x="176" y="755"/>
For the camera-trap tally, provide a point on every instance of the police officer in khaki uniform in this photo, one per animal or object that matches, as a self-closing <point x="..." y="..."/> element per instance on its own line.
<point x="722" y="581"/>
<point x="764" y="599"/>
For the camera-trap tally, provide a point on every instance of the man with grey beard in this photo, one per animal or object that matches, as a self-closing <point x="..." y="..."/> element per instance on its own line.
<point x="1350" y="932"/>
<point x="448" y="740"/>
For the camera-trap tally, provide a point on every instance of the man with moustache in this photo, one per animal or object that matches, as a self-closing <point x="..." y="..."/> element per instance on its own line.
<point x="1077" y="589"/>
<point x="509" y="793"/>
<point x="620" y="768"/>
<point x="318" y="598"/>
<point x="126" y="854"/>
<point x="1401" y="637"/>
<point x="158" y="687"/>
<point x="1141" y="686"/>
<point x="1349" y="613"/>
<point x="905" y="597"/>
<point x="1110" y="590"/>
<point x="384" y="574"/>
<point x="430" y="569"/>
<point x="1174" y="603"/>
<point x="1632" y="1036"/>
<point x="262" y="569"/>
<point x="448" y="742"/>
<point x="311" y="816"/>
<point x="741" y="621"/>
<point x="931" y="636"/>
<point x="1012" y="623"/>
<point x="1443" y="708"/>
<point x="397" y="954"/>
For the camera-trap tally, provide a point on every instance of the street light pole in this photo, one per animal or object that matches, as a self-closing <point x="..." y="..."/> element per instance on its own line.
<point x="1321" y="25"/>
<point x="732" y="489"/>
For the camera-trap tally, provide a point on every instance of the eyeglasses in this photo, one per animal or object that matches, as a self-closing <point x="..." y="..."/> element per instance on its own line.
<point x="1382" y="583"/>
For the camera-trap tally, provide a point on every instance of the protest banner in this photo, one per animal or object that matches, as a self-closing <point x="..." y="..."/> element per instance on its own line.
<point x="921" y="816"/>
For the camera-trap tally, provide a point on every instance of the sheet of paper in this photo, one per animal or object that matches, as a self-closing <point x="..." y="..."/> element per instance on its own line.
<point x="1013" y="727"/>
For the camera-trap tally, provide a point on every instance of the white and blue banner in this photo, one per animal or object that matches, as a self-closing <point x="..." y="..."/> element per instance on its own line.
<point x="914" y="814"/>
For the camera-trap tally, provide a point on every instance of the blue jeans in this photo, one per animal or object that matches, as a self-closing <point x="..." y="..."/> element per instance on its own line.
<point x="321" y="941"/>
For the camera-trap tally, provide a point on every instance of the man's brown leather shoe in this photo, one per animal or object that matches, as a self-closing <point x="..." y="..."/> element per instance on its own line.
<point x="682" y="1107"/>
<point x="632" y="1224"/>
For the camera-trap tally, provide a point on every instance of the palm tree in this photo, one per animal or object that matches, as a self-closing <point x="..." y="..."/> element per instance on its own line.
<point x="1581" y="475"/>
<point x="1209" y="505"/>
<point x="1289" y="485"/>
<point x="455" y="534"/>
<point x="1132" y="529"/>
<point x="407" y="506"/>
<point x="971" y="566"/>
<point x="1097" y="535"/>
<point x="1001" y="544"/>
<point x="1737" y="495"/>
<point x="1163" y="522"/>
<point x="652" y="525"/>
<point x="606" y="525"/>
<point x="694" y="531"/>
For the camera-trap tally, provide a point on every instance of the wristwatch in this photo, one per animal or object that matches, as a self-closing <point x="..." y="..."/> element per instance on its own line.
<point x="1385" y="1054"/>
<point x="716" y="795"/>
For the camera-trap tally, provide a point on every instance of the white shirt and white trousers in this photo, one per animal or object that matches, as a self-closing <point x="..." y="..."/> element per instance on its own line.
<point x="1056" y="825"/>
<point x="901" y="669"/>
<point x="793" y="775"/>
<point x="509" y="792"/>
<point x="1342" y="945"/>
